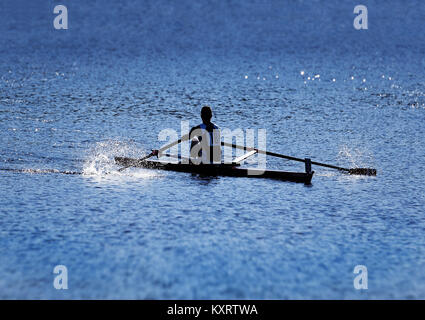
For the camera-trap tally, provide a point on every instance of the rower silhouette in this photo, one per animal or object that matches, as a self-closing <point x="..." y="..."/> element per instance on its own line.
<point x="205" y="140"/>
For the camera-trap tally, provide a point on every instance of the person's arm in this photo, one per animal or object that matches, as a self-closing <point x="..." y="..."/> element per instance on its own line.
<point x="194" y="141"/>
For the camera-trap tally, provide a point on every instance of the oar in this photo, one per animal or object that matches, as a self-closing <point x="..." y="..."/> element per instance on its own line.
<point x="362" y="171"/>
<point x="158" y="152"/>
<point x="154" y="152"/>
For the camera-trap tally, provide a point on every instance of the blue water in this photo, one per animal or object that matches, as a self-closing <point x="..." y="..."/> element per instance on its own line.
<point x="70" y="100"/>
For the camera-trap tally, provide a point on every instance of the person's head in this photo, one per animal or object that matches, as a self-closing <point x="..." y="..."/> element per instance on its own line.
<point x="206" y="114"/>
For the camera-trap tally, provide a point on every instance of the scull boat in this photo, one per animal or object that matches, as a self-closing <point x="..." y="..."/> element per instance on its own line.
<point x="223" y="169"/>
<point x="233" y="168"/>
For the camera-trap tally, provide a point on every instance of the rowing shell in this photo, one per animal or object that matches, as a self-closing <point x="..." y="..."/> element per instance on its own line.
<point x="227" y="170"/>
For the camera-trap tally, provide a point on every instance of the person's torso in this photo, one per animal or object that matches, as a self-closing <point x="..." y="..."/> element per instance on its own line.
<point x="208" y="135"/>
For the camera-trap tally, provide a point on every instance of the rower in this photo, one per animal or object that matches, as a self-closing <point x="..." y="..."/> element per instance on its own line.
<point x="205" y="140"/>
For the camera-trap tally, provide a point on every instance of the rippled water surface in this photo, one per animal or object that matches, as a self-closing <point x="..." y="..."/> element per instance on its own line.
<point x="70" y="100"/>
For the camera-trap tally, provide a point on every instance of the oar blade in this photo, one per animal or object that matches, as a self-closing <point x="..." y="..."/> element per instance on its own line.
<point x="363" y="171"/>
<point x="153" y="153"/>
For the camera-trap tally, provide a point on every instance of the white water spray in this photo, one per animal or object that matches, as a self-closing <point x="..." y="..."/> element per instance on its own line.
<point x="100" y="160"/>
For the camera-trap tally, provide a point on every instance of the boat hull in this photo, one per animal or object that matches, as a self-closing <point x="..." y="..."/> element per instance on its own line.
<point x="228" y="170"/>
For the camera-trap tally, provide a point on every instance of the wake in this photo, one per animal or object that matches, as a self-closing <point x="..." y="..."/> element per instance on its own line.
<point x="99" y="162"/>
<point x="40" y="171"/>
